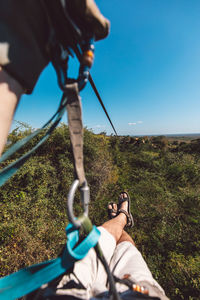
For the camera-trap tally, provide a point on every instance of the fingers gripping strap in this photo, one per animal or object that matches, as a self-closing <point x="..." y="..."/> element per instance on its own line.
<point x="27" y="280"/>
<point x="74" y="112"/>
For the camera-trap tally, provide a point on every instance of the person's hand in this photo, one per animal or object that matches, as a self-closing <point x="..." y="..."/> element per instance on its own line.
<point x="88" y="18"/>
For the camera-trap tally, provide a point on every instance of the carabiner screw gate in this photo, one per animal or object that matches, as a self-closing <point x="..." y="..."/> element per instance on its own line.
<point x="85" y="197"/>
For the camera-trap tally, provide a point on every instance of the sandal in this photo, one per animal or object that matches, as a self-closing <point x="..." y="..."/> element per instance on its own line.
<point x="128" y="214"/>
<point x="112" y="211"/>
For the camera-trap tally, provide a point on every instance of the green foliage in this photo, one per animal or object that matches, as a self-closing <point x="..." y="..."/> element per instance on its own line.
<point x="161" y="178"/>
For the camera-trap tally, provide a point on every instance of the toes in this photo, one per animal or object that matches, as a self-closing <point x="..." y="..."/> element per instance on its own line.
<point x="115" y="206"/>
<point x="123" y="195"/>
<point x="109" y="206"/>
<point x="123" y="205"/>
<point x="112" y="210"/>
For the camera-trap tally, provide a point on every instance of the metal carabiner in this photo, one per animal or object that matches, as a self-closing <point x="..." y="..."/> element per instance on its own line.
<point x="60" y="63"/>
<point x="85" y="199"/>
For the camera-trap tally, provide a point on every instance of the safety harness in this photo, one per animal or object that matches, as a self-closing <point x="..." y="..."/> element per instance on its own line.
<point x="27" y="280"/>
<point x="81" y="234"/>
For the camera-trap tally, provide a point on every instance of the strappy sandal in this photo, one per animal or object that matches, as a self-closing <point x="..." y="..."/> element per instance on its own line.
<point x="112" y="211"/>
<point x="128" y="214"/>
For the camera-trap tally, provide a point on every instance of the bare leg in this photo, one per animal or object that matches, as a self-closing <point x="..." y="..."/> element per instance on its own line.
<point x="125" y="237"/>
<point x="10" y="92"/>
<point x="116" y="225"/>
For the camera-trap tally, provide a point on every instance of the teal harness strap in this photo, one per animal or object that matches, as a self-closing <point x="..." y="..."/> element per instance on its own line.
<point x="29" y="279"/>
<point x="11" y="169"/>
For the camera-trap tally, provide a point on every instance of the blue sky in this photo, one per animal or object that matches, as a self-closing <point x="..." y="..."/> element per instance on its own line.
<point x="147" y="72"/>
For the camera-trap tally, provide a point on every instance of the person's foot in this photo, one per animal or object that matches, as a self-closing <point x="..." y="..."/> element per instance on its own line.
<point x="123" y="201"/>
<point x="112" y="210"/>
<point x="123" y="207"/>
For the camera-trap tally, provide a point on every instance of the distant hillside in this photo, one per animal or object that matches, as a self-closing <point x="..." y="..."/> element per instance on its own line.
<point x="182" y="137"/>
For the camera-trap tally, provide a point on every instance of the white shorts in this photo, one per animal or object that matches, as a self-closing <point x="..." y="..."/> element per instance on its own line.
<point x="89" y="278"/>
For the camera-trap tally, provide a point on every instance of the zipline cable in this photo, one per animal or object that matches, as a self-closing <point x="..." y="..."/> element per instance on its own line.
<point x="101" y="102"/>
<point x="79" y="56"/>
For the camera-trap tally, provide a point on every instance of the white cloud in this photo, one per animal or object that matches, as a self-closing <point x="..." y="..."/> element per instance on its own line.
<point x="99" y="126"/>
<point x="135" y="123"/>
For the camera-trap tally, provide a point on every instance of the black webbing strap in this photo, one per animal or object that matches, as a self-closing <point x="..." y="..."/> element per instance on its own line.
<point x="112" y="288"/>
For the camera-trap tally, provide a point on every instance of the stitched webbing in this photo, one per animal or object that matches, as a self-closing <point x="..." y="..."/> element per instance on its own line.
<point x="74" y="111"/>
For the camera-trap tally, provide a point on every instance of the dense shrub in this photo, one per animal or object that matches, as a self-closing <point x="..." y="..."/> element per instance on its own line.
<point x="163" y="183"/>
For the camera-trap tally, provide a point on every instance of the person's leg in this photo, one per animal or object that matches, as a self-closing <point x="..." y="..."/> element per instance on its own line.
<point x="127" y="261"/>
<point x="10" y="92"/>
<point x="117" y="213"/>
<point x="125" y="237"/>
<point x="116" y="225"/>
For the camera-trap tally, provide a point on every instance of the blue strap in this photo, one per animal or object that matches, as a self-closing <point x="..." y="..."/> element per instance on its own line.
<point x="29" y="279"/>
<point x="11" y="169"/>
